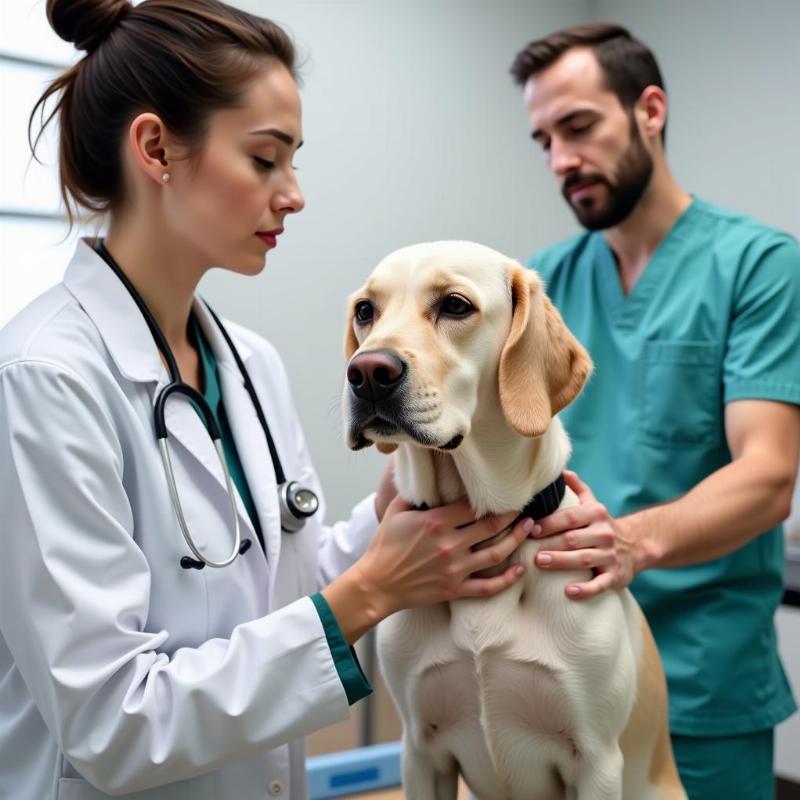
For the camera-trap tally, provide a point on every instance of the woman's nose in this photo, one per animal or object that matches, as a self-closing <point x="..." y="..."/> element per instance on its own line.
<point x="289" y="199"/>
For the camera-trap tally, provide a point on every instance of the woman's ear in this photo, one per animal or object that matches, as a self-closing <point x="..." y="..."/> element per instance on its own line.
<point x="543" y="366"/>
<point x="149" y="143"/>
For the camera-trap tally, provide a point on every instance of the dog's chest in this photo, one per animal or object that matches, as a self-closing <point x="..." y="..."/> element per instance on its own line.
<point x="478" y="680"/>
<point x="525" y="622"/>
<point x="485" y="681"/>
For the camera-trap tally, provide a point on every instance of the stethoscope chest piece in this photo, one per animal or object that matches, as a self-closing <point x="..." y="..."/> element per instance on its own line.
<point x="297" y="504"/>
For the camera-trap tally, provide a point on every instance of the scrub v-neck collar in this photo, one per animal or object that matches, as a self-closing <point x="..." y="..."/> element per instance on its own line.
<point x="625" y="311"/>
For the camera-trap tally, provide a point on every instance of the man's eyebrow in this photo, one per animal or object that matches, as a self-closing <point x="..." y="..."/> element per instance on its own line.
<point x="567" y="118"/>
<point x="278" y="134"/>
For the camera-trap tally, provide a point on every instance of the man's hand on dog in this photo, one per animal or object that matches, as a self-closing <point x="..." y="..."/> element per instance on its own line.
<point x="586" y="537"/>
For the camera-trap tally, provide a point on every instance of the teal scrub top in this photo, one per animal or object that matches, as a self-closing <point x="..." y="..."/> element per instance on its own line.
<point x="714" y="317"/>
<point x="354" y="680"/>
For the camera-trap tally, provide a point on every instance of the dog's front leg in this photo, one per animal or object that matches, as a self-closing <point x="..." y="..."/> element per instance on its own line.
<point x="421" y="780"/>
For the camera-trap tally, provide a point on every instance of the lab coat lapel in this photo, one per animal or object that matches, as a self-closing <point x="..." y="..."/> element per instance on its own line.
<point x="249" y="436"/>
<point x="256" y="460"/>
<point x="186" y="428"/>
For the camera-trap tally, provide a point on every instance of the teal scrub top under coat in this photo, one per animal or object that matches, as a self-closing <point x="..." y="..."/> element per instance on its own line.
<point x="714" y="317"/>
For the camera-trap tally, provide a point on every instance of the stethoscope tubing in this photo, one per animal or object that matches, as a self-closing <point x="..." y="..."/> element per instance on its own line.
<point x="178" y="386"/>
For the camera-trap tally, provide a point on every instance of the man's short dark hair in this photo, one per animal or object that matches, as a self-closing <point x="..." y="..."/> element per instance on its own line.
<point x="628" y="66"/>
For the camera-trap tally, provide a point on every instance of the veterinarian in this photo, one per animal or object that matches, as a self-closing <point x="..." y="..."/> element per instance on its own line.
<point x="689" y="431"/>
<point x="161" y="626"/>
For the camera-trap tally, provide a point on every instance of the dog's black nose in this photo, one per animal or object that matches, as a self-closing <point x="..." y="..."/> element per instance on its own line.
<point x="375" y="374"/>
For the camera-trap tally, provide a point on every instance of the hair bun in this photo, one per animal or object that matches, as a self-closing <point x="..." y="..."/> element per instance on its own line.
<point x="86" y="23"/>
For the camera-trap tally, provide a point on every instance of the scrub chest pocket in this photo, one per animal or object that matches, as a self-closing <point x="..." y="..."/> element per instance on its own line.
<point x="680" y="393"/>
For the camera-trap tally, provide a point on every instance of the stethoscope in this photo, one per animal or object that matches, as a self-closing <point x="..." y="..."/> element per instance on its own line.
<point x="297" y="503"/>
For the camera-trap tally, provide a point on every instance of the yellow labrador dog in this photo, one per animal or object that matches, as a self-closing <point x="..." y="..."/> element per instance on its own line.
<point x="458" y="360"/>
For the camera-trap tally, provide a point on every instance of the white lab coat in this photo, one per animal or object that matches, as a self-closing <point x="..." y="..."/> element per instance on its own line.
<point x="121" y="672"/>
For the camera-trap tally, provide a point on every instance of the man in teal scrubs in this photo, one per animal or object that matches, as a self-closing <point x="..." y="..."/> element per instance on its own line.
<point x="689" y="431"/>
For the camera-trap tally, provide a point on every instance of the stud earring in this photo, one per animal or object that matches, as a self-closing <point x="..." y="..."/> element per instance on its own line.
<point x="165" y="177"/>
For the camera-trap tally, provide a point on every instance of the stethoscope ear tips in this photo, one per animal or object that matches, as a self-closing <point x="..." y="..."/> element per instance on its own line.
<point x="187" y="562"/>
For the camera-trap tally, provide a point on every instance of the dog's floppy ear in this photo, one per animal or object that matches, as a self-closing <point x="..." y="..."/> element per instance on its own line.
<point x="543" y="366"/>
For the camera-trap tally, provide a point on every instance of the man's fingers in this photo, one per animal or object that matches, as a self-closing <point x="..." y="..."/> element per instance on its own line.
<point x="566" y="519"/>
<point x="575" y="483"/>
<point x="585" y="558"/>
<point x="592" y="588"/>
<point x="591" y="536"/>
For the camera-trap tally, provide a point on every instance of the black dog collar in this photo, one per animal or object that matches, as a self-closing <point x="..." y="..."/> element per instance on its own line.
<point x="541" y="505"/>
<point x="546" y="501"/>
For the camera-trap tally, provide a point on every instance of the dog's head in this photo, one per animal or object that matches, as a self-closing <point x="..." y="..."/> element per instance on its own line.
<point x="441" y="332"/>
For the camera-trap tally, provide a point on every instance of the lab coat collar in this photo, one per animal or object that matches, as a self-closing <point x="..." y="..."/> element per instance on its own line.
<point x="119" y="321"/>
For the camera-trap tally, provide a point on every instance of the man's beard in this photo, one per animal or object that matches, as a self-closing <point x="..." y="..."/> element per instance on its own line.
<point x="632" y="177"/>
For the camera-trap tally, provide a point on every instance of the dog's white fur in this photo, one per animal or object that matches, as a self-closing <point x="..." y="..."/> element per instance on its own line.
<point x="529" y="695"/>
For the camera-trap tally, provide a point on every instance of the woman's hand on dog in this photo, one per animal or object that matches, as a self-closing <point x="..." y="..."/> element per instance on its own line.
<point x="427" y="557"/>
<point x="586" y="537"/>
<point x="421" y="558"/>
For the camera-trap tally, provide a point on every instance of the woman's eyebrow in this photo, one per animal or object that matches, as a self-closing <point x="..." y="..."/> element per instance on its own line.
<point x="278" y="134"/>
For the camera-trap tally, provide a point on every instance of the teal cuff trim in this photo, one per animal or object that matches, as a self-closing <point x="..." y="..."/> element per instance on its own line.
<point x="356" y="685"/>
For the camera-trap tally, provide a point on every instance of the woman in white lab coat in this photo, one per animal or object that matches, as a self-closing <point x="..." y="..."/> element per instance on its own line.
<point x="121" y="671"/>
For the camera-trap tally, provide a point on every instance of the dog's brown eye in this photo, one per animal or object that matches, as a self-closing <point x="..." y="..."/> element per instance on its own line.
<point x="364" y="312"/>
<point x="454" y="305"/>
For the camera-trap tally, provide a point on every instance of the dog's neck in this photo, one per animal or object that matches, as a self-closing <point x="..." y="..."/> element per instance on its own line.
<point x="495" y="468"/>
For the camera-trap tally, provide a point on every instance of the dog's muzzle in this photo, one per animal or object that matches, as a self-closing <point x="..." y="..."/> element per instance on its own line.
<point x="375" y="374"/>
<point x="379" y="401"/>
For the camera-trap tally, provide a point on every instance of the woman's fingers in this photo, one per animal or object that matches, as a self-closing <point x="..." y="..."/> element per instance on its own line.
<point x="486" y="587"/>
<point x="500" y="550"/>
<point x="487" y="527"/>
<point x="455" y="515"/>
<point x="396" y="506"/>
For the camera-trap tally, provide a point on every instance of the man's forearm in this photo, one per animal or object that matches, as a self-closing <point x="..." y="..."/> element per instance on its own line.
<point x="718" y="516"/>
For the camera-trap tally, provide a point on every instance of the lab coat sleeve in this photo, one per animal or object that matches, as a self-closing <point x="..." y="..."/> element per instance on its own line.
<point x="343" y="543"/>
<point x="74" y="594"/>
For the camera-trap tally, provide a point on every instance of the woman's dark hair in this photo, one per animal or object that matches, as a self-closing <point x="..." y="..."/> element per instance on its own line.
<point x="180" y="59"/>
<point x="628" y="66"/>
